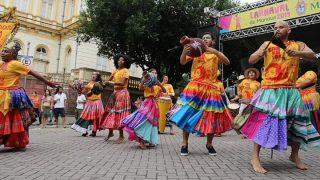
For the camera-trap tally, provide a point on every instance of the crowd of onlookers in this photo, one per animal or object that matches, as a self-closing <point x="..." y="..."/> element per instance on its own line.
<point x="51" y="104"/>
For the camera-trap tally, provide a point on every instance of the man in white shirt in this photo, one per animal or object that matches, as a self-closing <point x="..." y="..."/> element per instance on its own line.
<point x="59" y="101"/>
<point x="81" y="99"/>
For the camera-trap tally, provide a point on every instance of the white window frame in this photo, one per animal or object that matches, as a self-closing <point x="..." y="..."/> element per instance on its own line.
<point x="22" y="5"/>
<point x="72" y="8"/>
<point x="47" y="8"/>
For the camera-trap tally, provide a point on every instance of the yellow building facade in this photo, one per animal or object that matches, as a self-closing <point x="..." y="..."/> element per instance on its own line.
<point x="47" y="35"/>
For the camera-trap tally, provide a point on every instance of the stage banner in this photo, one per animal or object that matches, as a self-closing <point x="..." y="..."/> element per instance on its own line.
<point x="285" y="10"/>
<point x="5" y="30"/>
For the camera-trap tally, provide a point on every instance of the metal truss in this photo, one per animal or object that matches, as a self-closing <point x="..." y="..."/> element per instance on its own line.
<point x="247" y="7"/>
<point x="294" y="23"/>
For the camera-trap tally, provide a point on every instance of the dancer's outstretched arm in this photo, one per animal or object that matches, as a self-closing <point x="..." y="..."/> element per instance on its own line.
<point x="41" y="78"/>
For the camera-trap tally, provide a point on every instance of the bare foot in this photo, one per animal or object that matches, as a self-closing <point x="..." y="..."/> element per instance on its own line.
<point x="142" y="146"/>
<point x="119" y="141"/>
<point x="110" y="135"/>
<point x="297" y="161"/>
<point x="257" y="167"/>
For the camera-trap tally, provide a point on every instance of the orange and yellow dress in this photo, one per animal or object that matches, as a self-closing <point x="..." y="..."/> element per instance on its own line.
<point x="279" y="116"/>
<point x="311" y="97"/>
<point x="200" y="108"/>
<point x="247" y="88"/>
<point x="16" y="112"/>
<point x="118" y="104"/>
<point x="90" y="117"/>
<point x="143" y="123"/>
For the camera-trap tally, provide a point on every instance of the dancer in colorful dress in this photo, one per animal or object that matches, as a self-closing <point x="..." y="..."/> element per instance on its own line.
<point x="279" y="118"/>
<point x="93" y="109"/>
<point x="16" y="112"/>
<point x="200" y="108"/>
<point x="118" y="104"/>
<point x="142" y="125"/>
<point x="221" y="89"/>
<point x="247" y="88"/>
<point x="311" y="98"/>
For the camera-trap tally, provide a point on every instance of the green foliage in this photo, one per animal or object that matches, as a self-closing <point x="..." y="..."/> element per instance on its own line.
<point x="145" y="29"/>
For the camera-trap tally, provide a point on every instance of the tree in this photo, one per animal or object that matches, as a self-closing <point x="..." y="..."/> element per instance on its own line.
<point x="145" y="29"/>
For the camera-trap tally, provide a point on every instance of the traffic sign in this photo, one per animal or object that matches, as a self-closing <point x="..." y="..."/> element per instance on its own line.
<point x="26" y="60"/>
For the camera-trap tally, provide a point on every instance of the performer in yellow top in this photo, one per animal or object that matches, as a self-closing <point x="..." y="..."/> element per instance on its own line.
<point x="200" y="108"/>
<point x="279" y="117"/>
<point x="307" y="87"/>
<point x="247" y="88"/>
<point x="142" y="125"/>
<point x="169" y="94"/>
<point x="221" y="89"/>
<point x="219" y="83"/>
<point x="168" y="87"/>
<point x="89" y="120"/>
<point x="16" y="112"/>
<point x="119" y="104"/>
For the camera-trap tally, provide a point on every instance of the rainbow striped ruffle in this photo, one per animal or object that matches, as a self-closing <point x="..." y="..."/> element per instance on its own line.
<point x="311" y="99"/>
<point x="118" y="107"/>
<point x="278" y="119"/>
<point x="143" y="123"/>
<point x="200" y="109"/>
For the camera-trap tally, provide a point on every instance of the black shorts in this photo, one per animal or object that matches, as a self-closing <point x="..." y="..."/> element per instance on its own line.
<point x="59" y="111"/>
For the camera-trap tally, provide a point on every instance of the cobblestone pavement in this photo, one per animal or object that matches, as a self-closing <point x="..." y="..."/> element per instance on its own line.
<point x="64" y="154"/>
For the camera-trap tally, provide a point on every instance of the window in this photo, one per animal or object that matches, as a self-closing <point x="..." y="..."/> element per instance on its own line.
<point x="21" y="5"/>
<point x="72" y="4"/>
<point x="47" y="8"/>
<point x="67" y="59"/>
<point x="41" y="53"/>
<point x="40" y="60"/>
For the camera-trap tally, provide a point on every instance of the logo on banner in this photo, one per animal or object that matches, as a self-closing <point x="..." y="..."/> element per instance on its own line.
<point x="301" y="7"/>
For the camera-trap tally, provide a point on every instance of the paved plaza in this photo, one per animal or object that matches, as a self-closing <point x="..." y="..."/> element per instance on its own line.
<point x="64" y="154"/>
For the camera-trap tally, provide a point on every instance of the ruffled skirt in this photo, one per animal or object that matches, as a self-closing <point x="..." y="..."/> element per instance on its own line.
<point x="90" y="117"/>
<point x="14" y="124"/>
<point x="201" y="110"/>
<point x="279" y="118"/>
<point x="118" y="107"/>
<point x="143" y="123"/>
